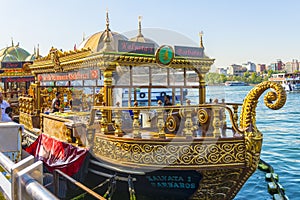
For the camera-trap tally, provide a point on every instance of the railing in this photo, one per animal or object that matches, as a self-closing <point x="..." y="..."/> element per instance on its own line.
<point x="58" y="173"/>
<point x="23" y="180"/>
<point x="205" y="120"/>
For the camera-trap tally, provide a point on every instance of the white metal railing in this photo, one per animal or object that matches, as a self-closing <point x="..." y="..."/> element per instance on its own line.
<point x="23" y="180"/>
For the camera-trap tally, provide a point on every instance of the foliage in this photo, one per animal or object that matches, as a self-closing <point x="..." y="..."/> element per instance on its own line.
<point x="248" y="77"/>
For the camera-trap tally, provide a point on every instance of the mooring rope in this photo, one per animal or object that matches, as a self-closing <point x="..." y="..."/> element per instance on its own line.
<point x="131" y="188"/>
<point x="111" y="188"/>
<point x="81" y="196"/>
<point x="274" y="187"/>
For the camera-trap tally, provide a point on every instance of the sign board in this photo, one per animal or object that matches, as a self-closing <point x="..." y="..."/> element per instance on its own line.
<point x="12" y="65"/>
<point x="70" y="76"/>
<point x="17" y="79"/>
<point x="189" y="51"/>
<point x="136" y="47"/>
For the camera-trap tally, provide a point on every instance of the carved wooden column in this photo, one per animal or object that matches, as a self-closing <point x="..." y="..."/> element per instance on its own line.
<point x="108" y="93"/>
<point x="202" y="90"/>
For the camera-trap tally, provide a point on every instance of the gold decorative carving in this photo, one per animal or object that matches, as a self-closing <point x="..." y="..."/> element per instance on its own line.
<point x="202" y="116"/>
<point x="248" y="119"/>
<point x="253" y="137"/>
<point x="171" y="154"/>
<point x="55" y="59"/>
<point x="219" y="184"/>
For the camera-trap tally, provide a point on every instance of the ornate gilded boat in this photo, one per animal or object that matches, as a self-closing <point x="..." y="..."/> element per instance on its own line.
<point x="190" y="150"/>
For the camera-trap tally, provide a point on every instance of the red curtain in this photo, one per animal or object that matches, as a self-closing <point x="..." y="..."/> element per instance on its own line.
<point x="57" y="155"/>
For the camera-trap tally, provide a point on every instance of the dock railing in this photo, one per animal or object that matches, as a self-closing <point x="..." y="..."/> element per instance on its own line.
<point x="23" y="180"/>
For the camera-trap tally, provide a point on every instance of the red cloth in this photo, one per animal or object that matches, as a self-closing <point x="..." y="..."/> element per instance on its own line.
<point x="57" y="155"/>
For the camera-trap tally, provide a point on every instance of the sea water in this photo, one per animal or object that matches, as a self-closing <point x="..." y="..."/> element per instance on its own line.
<point x="281" y="143"/>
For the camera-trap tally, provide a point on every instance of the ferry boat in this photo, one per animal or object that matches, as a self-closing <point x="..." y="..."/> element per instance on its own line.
<point x="192" y="149"/>
<point x="290" y="81"/>
<point x="235" y="83"/>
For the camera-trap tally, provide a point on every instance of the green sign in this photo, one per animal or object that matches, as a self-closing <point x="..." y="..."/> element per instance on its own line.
<point x="165" y="55"/>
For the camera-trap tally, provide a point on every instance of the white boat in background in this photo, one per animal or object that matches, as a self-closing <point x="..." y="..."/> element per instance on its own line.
<point x="290" y="81"/>
<point x="235" y="83"/>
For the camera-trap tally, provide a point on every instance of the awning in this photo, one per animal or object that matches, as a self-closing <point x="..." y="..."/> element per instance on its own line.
<point x="58" y="155"/>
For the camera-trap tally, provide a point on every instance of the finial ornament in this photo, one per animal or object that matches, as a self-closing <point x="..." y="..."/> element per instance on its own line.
<point x="201" y="40"/>
<point x="107" y="46"/>
<point x="83" y="36"/>
<point x="38" y="51"/>
<point x="12" y="42"/>
<point x="140" y="26"/>
<point x="107" y="20"/>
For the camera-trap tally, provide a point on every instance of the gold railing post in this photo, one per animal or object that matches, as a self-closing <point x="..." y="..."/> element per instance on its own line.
<point x="160" y="122"/>
<point x="223" y="124"/>
<point x="235" y="113"/>
<point x="188" y="124"/>
<point x="216" y="121"/>
<point x="104" y="124"/>
<point x="118" y="121"/>
<point x="136" y="122"/>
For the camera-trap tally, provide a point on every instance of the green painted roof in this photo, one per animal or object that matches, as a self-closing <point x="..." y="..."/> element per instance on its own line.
<point x="13" y="53"/>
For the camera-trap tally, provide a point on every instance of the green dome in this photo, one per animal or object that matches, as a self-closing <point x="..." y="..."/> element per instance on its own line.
<point x="8" y="58"/>
<point x="13" y="52"/>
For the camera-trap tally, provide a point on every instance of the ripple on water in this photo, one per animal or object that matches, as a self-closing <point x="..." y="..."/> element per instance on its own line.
<point x="281" y="143"/>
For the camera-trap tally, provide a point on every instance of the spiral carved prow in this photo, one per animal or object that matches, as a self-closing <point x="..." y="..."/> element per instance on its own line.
<point x="274" y="99"/>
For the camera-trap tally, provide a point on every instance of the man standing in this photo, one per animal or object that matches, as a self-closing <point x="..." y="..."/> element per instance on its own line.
<point x="4" y="104"/>
<point x="56" y="103"/>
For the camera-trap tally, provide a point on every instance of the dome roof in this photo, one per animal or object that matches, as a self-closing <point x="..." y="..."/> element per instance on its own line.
<point x="96" y="41"/>
<point x="8" y="58"/>
<point x="103" y="41"/>
<point x="31" y="57"/>
<point x="140" y="37"/>
<point x="13" y="53"/>
<point x="143" y="39"/>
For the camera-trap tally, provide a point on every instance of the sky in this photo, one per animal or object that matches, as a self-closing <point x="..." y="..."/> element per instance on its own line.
<point x="234" y="31"/>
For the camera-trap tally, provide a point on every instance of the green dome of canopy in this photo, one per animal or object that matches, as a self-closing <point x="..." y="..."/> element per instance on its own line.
<point x="13" y="53"/>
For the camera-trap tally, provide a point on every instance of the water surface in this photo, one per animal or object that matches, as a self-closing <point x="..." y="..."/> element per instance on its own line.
<point x="281" y="143"/>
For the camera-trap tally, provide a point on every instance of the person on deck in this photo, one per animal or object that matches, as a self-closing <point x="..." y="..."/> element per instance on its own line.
<point x="167" y="101"/>
<point x="4" y="104"/>
<point x="56" y="103"/>
<point x="7" y="117"/>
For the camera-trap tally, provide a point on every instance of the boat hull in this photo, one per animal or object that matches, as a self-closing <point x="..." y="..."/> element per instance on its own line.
<point x="218" y="172"/>
<point x="173" y="184"/>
